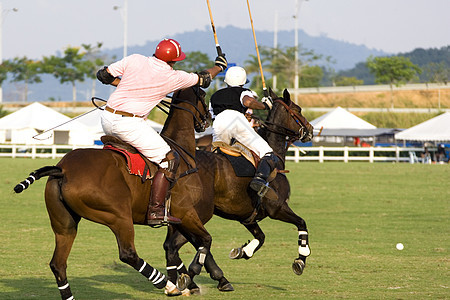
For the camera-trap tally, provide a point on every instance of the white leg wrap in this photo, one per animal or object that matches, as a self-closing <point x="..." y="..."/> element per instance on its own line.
<point x="201" y="257"/>
<point x="170" y="288"/>
<point x="250" y="248"/>
<point x="303" y="247"/>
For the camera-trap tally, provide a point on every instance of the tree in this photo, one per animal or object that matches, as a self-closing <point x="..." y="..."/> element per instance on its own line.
<point x="311" y="76"/>
<point x="394" y="70"/>
<point x="71" y="67"/>
<point x="26" y="70"/>
<point x="348" y="81"/>
<point x="97" y="60"/>
<point x="437" y="72"/>
<point x="3" y="72"/>
<point x="281" y="62"/>
<point x="195" y="61"/>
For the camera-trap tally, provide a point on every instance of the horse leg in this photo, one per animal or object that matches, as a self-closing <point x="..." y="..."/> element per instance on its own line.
<point x="64" y="225"/>
<point x="174" y="265"/>
<point x="124" y="231"/>
<point x="248" y="249"/>
<point x="199" y="237"/>
<point x="285" y="214"/>
<point x="217" y="274"/>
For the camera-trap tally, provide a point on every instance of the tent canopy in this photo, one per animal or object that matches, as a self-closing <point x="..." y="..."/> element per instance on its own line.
<point x="340" y="118"/>
<point x="35" y="116"/>
<point x="436" y="129"/>
<point x="20" y="127"/>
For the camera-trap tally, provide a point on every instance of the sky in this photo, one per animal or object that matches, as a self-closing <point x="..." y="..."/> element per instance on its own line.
<point x="43" y="27"/>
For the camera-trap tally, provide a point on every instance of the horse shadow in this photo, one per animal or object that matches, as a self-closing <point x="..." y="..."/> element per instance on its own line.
<point x="90" y="287"/>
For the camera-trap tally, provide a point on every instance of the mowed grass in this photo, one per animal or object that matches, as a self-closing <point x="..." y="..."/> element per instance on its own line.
<point x="356" y="213"/>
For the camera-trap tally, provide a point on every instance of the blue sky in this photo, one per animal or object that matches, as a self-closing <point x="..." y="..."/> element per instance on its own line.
<point x="42" y="27"/>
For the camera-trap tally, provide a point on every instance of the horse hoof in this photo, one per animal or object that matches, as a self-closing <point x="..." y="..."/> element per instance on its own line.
<point x="236" y="253"/>
<point x="186" y="292"/>
<point x="172" y="290"/>
<point x="183" y="282"/>
<point x="195" y="291"/>
<point x="298" y="266"/>
<point x="226" y="288"/>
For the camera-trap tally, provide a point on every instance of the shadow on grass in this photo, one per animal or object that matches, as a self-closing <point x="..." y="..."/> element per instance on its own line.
<point x="126" y="284"/>
<point x="94" y="287"/>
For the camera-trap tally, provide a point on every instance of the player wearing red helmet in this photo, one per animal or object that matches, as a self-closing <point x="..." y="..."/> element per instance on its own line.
<point x="142" y="82"/>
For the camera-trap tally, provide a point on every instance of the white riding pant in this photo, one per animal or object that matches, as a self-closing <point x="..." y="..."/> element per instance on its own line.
<point x="139" y="133"/>
<point x="233" y="124"/>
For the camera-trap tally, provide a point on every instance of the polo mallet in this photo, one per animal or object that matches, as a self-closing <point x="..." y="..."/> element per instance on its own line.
<point x="219" y="50"/>
<point x="48" y="130"/>
<point x="265" y="91"/>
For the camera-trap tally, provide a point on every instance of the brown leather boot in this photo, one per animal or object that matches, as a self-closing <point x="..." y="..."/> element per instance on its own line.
<point x="163" y="181"/>
<point x="157" y="214"/>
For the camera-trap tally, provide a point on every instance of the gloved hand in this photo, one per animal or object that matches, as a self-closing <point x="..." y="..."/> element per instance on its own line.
<point x="267" y="101"/>
<point x="221" y="62"/>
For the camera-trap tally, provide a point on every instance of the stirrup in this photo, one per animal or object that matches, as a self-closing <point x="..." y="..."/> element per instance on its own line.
<point x="264" y="190"/>
<point x="165" y="221"/>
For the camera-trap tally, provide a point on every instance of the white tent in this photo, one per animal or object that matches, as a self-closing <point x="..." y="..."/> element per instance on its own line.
<point x="339" y="125"/>
<point x="340" y="118"/>
<point x="436" y="129"/>
<point x="20" y="127"/>
<point x="92" y="120"/>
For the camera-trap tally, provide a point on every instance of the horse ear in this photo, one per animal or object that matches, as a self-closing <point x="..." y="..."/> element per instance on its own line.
<point x="287" y="97"/>
<point x="272" y="94"/>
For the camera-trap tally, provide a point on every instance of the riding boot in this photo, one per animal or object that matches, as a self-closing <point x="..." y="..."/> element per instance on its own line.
<point x="163" y="181"/>
<point x="259" y="182"/>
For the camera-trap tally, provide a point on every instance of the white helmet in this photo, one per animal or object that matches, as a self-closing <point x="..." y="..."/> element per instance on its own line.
<point x="236" y="76"/>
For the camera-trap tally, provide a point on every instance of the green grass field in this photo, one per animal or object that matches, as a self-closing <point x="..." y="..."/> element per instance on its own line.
<point x="356" y="213"/>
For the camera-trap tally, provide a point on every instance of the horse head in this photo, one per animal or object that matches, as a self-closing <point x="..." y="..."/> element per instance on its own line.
<point x="297" y="126"/>
<point x="195" y="96"/>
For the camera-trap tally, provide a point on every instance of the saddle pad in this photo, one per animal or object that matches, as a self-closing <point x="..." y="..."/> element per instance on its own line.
<point x="242" y="167"/>
<point x="135" y="163"/>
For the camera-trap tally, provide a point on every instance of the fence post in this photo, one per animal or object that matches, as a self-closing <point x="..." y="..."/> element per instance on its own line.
<point x="397" y="154"/>
<point x="371" y="154"/>
<point x="33" y="152"/>
<point x="321" y="154"/>
<point x="346" y="154"/>
<point x="13" y="151"/>
<point x="54" y="151"/>
<point x="296" y="155"/>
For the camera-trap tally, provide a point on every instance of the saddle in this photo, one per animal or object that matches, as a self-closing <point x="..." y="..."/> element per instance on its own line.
<point x="243" y="160"/>
<point x="137" y="164"/>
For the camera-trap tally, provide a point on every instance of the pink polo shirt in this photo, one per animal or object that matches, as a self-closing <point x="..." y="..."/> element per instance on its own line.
<point x="145" y="81"/>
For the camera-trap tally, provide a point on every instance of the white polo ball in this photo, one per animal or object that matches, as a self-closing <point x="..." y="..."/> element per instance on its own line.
<point x="399" y="246"/>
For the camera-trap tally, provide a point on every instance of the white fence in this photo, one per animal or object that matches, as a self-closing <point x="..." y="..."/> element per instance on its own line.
<point x="346" y="154"/>
<point x="296" y="154"/>
<point x="38" y="151"/>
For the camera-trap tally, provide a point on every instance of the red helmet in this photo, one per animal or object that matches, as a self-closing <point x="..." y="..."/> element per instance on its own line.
<point x="169" y="50"/>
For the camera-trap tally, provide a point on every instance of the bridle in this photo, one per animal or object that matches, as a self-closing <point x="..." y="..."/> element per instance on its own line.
<point x="200" y="124"/>
<point x="200" y="121"/>
<point x="291" y="135"/>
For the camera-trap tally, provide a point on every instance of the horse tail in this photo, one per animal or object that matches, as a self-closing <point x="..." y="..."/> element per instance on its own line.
<point x="37" y="174"/>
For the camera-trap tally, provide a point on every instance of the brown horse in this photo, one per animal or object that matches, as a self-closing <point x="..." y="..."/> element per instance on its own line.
<point x="235" y="201"/>
<point x="95" y="184"/>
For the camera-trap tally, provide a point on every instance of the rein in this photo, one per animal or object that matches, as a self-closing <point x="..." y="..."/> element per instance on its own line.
<point x="292" y="135"/>
<point x="201" y="121"/>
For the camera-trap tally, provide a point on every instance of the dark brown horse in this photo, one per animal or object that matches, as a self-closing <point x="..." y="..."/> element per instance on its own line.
<point x="95" y="184"/>
<point x="235" y="201"/>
